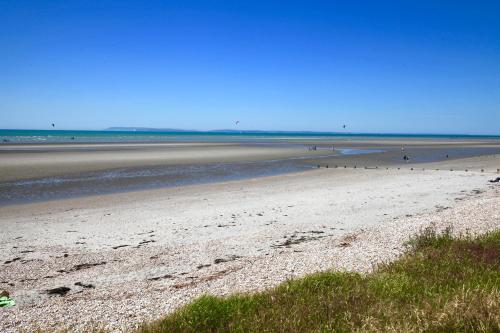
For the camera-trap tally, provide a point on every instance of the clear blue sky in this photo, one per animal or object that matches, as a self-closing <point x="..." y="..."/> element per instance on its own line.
<point x="402" y="66"/>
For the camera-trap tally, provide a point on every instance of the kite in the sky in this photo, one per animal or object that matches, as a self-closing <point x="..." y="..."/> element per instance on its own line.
<point x="53" y="125"/>
<point x="237" y="122"/>
<point x="343" y="126"/>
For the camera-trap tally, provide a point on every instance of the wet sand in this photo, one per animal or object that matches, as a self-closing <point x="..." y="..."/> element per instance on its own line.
<point x="30" y="172"/>
<point x="32" y="161"/>
<point x="24" y="161"/>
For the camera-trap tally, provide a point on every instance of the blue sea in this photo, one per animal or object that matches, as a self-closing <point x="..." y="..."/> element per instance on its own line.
<point x="61" y="136"/>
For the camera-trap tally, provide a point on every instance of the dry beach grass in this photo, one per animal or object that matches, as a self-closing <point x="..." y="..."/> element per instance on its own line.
<point x="441" y="284"/>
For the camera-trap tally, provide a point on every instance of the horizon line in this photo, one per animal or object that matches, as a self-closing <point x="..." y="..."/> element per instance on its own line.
<point x="241" y="131"/>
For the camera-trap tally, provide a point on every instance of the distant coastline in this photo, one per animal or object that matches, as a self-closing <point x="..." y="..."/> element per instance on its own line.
<point x="327" y="133"/>
<point x="144" y="134"/>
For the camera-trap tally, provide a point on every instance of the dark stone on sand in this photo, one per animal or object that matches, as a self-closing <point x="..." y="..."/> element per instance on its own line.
<point x="496" y="180"/>
<point x="83" y="285"/>
<point x="61" y="291"/>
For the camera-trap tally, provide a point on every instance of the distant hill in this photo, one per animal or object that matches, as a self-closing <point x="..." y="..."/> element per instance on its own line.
<point x="148" y="129"/>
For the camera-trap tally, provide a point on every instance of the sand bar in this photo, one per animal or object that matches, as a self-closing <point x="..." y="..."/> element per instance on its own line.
<point x="23" y="161"/>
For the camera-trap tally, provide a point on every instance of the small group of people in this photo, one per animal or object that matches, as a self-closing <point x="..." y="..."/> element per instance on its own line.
<point x="406" y="158"/>
<point x="314" y="148"/>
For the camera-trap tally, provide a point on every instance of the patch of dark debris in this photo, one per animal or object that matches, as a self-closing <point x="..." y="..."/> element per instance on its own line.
<point x="59" y="291"/>
<point x="228" y="259"/>
<point x="166" y="276"/>
<point x="81" y="266"/>
<point x="300" y="237"/>
<point x="144" y="242"/>
<point x="84" y="285"/>
<point x="347" y="240"/>
<point x="120" y="246"/>
<point x="11" y="261"/>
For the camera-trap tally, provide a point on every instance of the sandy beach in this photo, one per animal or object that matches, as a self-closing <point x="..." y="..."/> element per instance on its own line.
<point x="28" y="161"/>
<point x="131" y="257"/>
<point x="24" y="161"/>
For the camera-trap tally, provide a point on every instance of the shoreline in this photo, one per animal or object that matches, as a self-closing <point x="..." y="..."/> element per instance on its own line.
<point x="472" y="167"/>
<point x="148" y="252"/>
<point x="46" y="172"/>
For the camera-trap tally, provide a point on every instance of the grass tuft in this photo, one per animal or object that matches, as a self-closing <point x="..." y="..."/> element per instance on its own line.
<point x="443" y="284"/>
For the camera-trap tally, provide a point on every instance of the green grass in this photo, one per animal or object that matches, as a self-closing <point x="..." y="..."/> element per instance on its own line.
<point x="441" y="285"/>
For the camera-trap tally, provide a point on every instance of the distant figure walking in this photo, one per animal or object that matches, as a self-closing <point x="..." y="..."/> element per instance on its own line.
<point x="406" y="158"/>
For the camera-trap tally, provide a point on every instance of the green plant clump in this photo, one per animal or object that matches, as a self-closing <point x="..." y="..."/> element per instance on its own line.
<point x="442" y="284"/>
